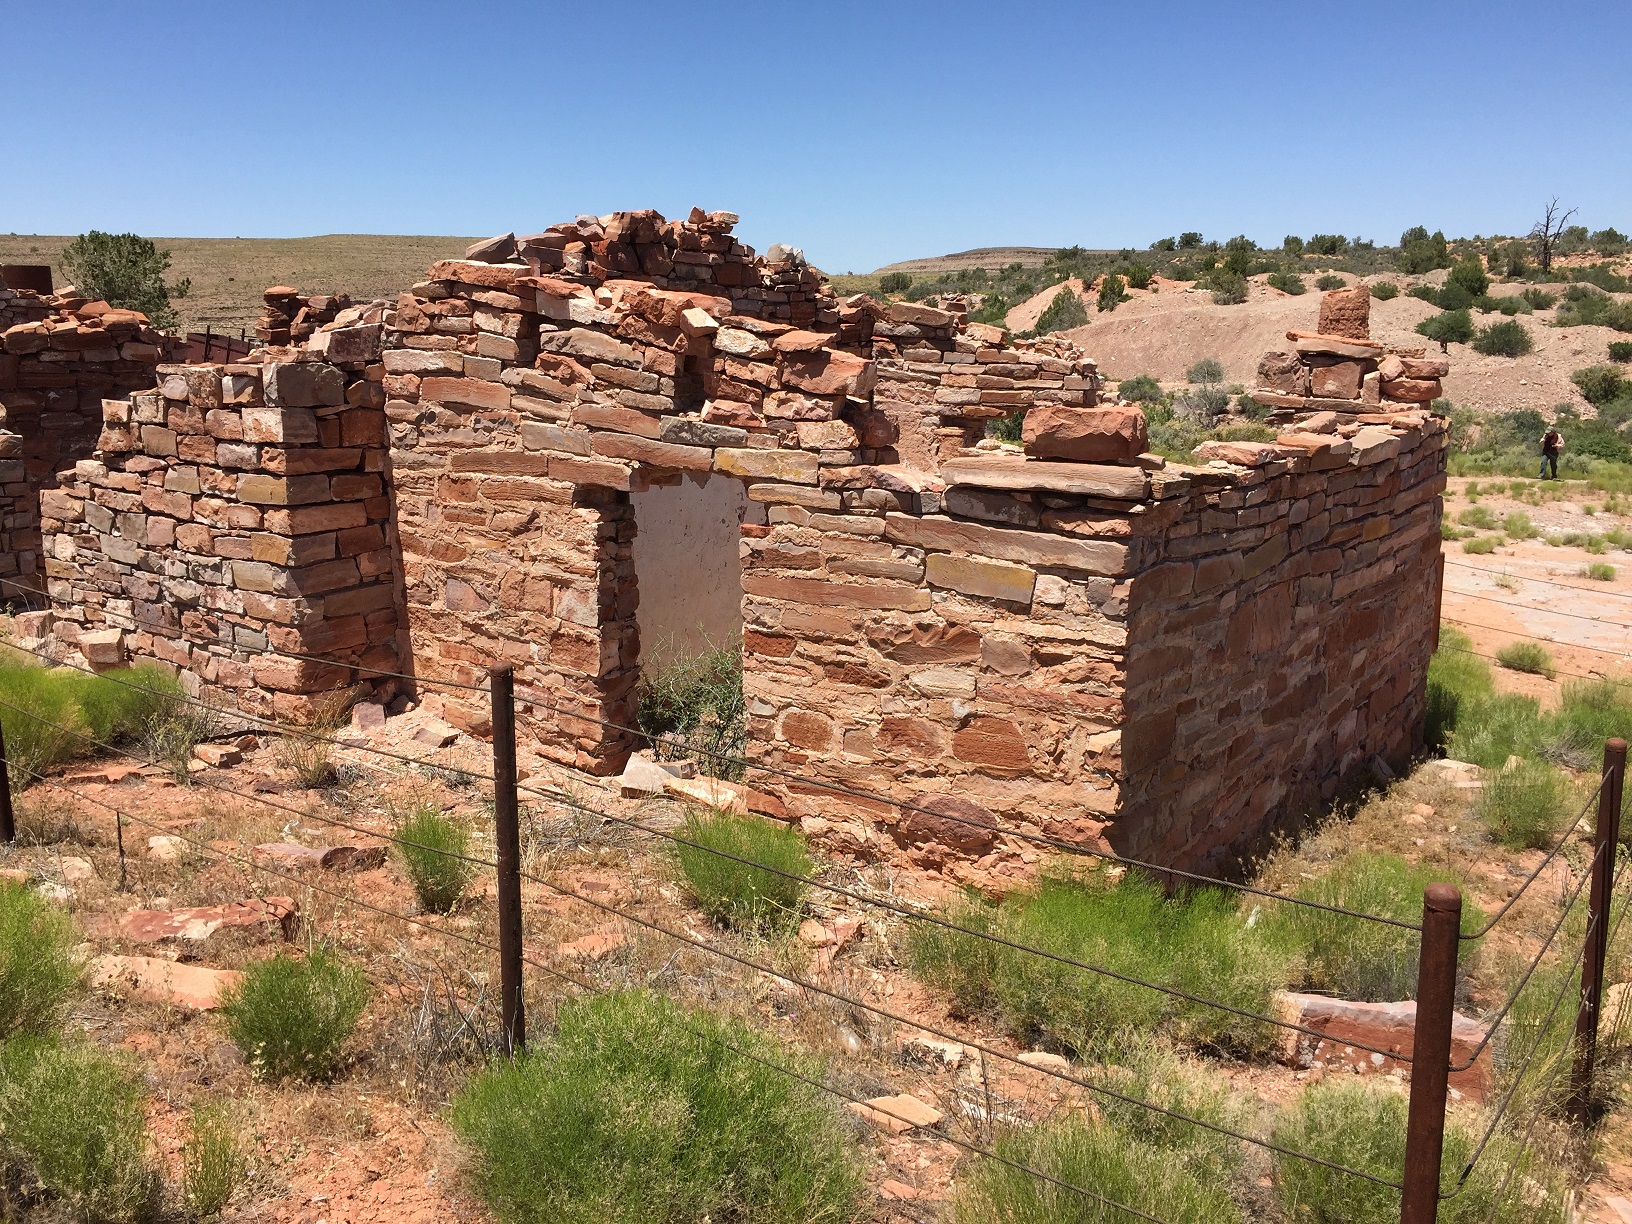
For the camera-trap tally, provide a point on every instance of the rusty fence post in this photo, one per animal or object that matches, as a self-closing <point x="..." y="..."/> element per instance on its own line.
<point x="1431" y="1053"/>
<point x="8" y="822"/>
<point x="507" y="842"/>
<point x="1606" y="836"/>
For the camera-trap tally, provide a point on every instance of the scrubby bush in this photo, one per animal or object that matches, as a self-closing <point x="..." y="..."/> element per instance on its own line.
<point x="1517" y="526"/>
<point x="124" y="270"/>
<point x="1528" y="656"/>
<point x="1511" y="306"/>
<point x="695" y="707"/>
<point x="1600" y="384"/>
<point x="1421" y="252"/>
<point x="740" y="894"/>
<point x="1524" y="805"/>
<point x="1171" y="1170"/>
<point x="1140" y="389"/>
<point x="1326" y="244"/>
<point x="213" y="1161"/>
<point x="1197" y="941"/>
<point x="61" y="711"/>
<point x="637" y="1112"/>
<point x="1609" y="241"/>
<point x="1329" y="282"/>
<point x="1112" y="292"/>
<point x="1448" y="327"/>
<point x="1201" y="405"/>
<point x="1207" y="370"/>
<point x="1620" y="350"/>
<point x="1588" y="306"/>
<point x="435" y="850"/>
<point x="894" y="282"/>
<point x="1286" y="282"/>
<point x="1539" y="299"/>
<point x="1478" y="516"/>
<point x="291" y="1017"/>
<point x="1599" y="571"/>
<point x="1189" y="240"/>
<point x="1229" y="288"/>
<point x="1482" y="546"/>
<point x="72" y="1116"/>
<point x="1506" y="339"/>
<point x="1469" y="274"/>
<point x="1139" y="275"/>
<point x="1064" y="311"/>
<point x="1385" y="291"/>
<point x="1165" y="244"/>
<point x="1367" y="961"/>
<point x="40" y="971"/>
<point x="1362" y="1125"/>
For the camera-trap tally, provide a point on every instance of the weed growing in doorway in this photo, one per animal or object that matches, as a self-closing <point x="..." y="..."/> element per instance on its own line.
<point x="695" y="708"/>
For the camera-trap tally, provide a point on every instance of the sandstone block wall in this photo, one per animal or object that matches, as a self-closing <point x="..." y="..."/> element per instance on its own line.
<point x="58" y="358"/>
<point x="232" y="511"/>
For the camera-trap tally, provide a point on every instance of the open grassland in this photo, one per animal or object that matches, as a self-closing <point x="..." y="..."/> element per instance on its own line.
<point x="228" y="274"/>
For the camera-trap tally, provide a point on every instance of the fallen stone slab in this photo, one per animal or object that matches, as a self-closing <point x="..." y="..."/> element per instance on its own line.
<point x="1383" y="1026"/>
<point x="328" y="858"/>
<point x="596" y="946"/>
<point x="645" y="776"/>
<point x="110" y="774"/>
<point x="219" y="756"/>
<point x="155" y="980"/>
<point x="197" y="923"/>
<point x="167" y="848"/>
<point x="895" y="1115"/>
<point x="710" y="792"/>
<point x="435" y="734"/>
<point x="76" y="870"/>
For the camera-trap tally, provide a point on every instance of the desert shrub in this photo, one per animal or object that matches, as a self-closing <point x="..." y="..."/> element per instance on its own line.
<point x="1139" y="275"/>
<point x="1587" y="306"/>
<point x="213" y="1161"/>
<point x="1287" y="282"/>
<point x="1207" y="370"/>
<point x="1361" y="1125"/>
<point x="1511" y="306"/>
<point x="1599" y="571"/>
<point x="1529" y="657"/>
<point x="1452" y="296"/>
<point x="1329" y="281"/>
<point x="1589" y="712"/>
<point x="1482" y="546"/>
<point x="1385" y="291"/>
<point x="1421" y="252"/>
<point x="1196" y="941"/>
<point x="1494" y="727"/>
<point x="72" y="1116"/>
<point x="40" y="972"/>
<point x="1140" y="389"/>
<point x="291" y="1017"/>
<point x="1189" y="240"/>
<point x="435" y="851"/>
<point x="1166" y="1168"/>
<point x="1608" y="241"/>
<point x="1600" y="384"/>
<point x="1478" y="516"/>
<point x="1505" y="339"/>
<point x="1367" y="961"/>
<point x="1455" y="677"/>
<point x="124" y="270"/>
<point x="1620" y="350"/>
<point x="695" y="707"/>
<point x="1424" y="293"/>
<point x="1448" y="327"/>
<point x="637" y="1112"/>
<point x="1010" y="428"/>
<point x="62" y="710"/>
<point x="1201" y="405"/>
<point x="1064" y="311"/>
<point x="1229" y="288"/>
<point x="1327" y="244"/>
<point x="1539" y="299"/>
<point x="1518" y="526"/>
<point x="894" y="282"/>
<point x="737" y="894"/>
<point x="1112" y="292"/>
<point x="1469" y="274"/>
<point x="1524" y="805"/>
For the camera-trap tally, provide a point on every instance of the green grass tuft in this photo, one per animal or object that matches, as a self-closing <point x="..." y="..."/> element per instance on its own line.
<point x="72" y="1115"/>
<point x="1483" y="545"/>
<point x="1362" y="1125"/>
<point x="1198" y="942"/>
<point x="291" y="1017"/>
<point x="1531" y="657"/>
<point x="40" y="971"/>
<point x="637" y="1112"/>
<point x="431" y="846"/>
<point x="736" y="894"/>
<point x="1366" y="961"/>
<point x="1524" y="806"/>
<point x="1599" y="572"/>
<point x="114" y="707"/>
<point x="213" y="1161"/>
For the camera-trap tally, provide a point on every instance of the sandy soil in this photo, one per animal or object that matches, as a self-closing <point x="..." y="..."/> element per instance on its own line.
<point x="1162" y="332"/>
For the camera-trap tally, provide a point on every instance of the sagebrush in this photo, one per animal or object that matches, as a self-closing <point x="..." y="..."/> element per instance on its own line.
<point x="735" y="892"/>
<point x="291" y="1016"/>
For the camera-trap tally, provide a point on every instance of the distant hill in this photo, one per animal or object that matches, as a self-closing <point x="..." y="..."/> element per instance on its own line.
<point x="990" y="258"/>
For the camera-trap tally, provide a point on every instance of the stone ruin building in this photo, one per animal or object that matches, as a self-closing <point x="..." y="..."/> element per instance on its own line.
<point x="586" y="450"/>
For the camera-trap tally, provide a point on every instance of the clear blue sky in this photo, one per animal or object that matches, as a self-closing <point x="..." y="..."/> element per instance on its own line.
<point x="864" y="132"/>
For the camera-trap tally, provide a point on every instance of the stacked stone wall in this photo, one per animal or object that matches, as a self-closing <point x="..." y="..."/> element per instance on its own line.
<point x="231" y="518"/>
<point x="58" y="358"/>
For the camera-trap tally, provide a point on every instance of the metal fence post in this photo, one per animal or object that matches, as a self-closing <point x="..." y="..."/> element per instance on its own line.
<point x="1606" y="837"/>
<point x="507" y="842"/>
<point x="8" y="822"/>
<point x="1431" y="1053"/>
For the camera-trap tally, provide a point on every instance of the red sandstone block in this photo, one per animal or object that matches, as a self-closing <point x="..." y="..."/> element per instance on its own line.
<point x="357" y="540"/>
<point x="354" y="487"/>
<point x="307" y="460"/>
<point x="305" y="520"/>
<point x="371" y="598"/>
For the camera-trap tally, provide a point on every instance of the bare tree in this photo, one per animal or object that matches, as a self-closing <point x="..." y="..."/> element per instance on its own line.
<point x="1546" y="232"/>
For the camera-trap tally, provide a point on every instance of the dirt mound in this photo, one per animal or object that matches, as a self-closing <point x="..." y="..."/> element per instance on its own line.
<point x="1024" y="316"/>
<point x="1162" y="333"/>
